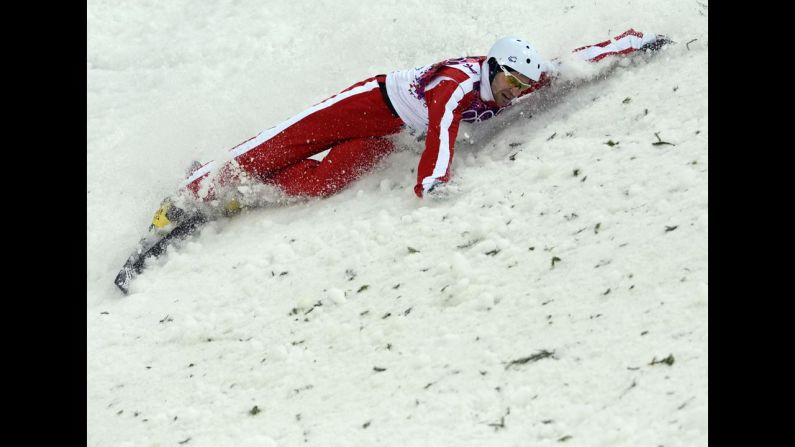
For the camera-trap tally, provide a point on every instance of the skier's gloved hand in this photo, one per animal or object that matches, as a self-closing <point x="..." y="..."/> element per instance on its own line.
<point x="659" y="41"/>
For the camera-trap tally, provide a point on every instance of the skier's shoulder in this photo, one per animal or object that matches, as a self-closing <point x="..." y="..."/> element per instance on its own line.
<point x="465" y="72"/>
<point x="462" y="68"/>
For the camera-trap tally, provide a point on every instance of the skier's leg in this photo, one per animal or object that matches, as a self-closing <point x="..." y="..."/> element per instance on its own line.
<point x="357" y="112"/>
<point x="345" y="163"/>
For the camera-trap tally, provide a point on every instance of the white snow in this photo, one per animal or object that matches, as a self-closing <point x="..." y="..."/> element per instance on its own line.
<point x="373" y="317"/>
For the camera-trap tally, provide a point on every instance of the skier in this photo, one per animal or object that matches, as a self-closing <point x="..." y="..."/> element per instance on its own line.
<point x="355" y="125"/>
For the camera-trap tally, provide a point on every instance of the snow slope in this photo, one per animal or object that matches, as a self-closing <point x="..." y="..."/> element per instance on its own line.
<point x="535" y="307"/>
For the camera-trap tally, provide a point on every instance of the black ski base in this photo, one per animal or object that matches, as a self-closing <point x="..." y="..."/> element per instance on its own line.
<point x="153" y="248"/>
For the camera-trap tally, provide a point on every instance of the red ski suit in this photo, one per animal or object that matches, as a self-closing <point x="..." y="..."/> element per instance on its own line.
<point x="355" y="123"/>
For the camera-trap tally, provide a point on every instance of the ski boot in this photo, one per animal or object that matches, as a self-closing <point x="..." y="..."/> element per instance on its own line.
<point x="169" y="224"/>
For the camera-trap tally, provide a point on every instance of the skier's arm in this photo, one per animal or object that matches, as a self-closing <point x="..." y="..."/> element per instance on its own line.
<point x="627" y="42"/>
<point x="446" y="102"/>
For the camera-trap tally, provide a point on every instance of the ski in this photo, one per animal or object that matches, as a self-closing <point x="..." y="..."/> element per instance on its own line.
<point x="153" y="247"/>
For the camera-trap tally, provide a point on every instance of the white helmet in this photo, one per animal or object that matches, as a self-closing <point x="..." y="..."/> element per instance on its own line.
<point x="519" y="55"/>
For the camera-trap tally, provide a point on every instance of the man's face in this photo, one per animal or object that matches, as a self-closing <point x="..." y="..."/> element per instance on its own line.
<point x="506" y="87"/>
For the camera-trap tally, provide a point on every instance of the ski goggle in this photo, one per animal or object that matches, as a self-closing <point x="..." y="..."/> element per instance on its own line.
<point x="514" y="81"/>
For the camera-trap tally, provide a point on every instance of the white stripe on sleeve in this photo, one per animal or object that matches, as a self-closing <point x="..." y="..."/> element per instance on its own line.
<point x="443" y="156"/>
